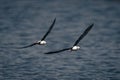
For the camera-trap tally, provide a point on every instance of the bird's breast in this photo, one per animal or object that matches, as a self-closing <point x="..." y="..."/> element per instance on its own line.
<point x="43" y="42"/>
<point x="74" y="48"/>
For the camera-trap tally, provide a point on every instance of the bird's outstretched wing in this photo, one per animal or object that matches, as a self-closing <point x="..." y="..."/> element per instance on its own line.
<point x="26" y="46"/>
<point x="83" y="35"/>
<point x="49" y="30"/>
<point x="52" y="52"/>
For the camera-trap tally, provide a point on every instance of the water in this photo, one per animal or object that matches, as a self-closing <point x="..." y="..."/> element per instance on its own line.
<point x="25" y="21"/>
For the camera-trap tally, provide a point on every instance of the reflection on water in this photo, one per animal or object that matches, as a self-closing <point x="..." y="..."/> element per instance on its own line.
<point x="23" y="22"/>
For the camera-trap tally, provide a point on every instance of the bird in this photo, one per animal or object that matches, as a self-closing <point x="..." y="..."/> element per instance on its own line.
<point x="75" y="46"/>
<point x="42" y="41"/>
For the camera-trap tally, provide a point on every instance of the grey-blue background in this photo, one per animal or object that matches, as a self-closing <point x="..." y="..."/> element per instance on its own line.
<point x="25" y="21"/>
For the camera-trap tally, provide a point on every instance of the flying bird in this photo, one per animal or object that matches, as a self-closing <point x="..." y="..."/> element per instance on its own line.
<point x="75" y="45"/>
<point x="42" y="41"/>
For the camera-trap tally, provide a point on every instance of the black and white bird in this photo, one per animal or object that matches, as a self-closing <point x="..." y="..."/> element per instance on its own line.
<point x="75" y="46"/>
<point x="42" y="41"/>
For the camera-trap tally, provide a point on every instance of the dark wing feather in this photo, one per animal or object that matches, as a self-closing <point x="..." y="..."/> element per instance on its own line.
<point x="49" y="30"/>
<point x="84" y="34"/>
<point x="26" y="46"/>
<point x="52" y="52"/>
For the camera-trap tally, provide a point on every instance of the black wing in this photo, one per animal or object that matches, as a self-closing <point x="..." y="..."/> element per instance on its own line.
<point x="49" y="30"/>
<point x="26" y="46"/>
<point x="84" y="34"/>
<point x="52" y="52"/>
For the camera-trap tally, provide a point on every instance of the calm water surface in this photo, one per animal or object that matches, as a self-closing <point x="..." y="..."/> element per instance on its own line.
<point x="25" y="21"/>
